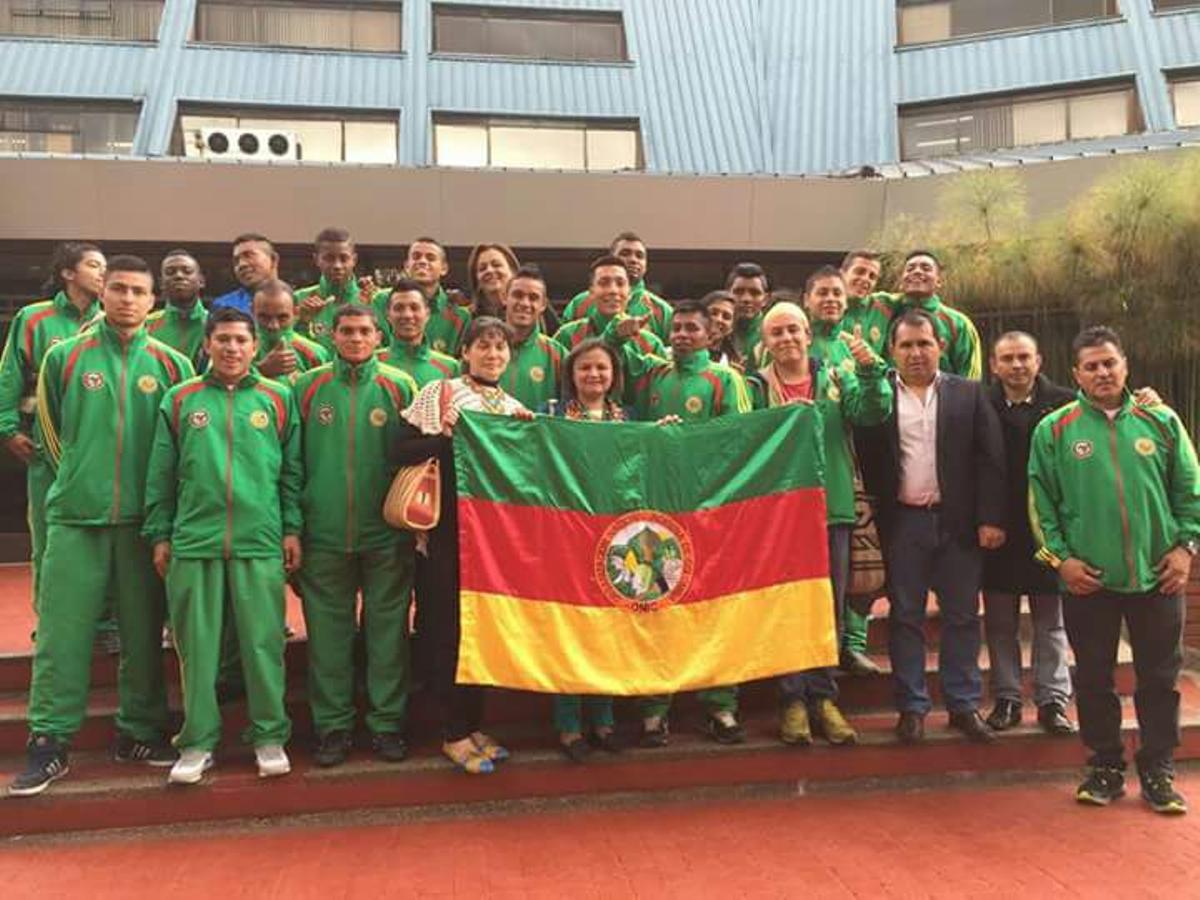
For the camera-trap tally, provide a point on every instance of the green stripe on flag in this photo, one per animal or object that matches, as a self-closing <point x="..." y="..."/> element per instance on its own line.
<point x="611" y="468"/>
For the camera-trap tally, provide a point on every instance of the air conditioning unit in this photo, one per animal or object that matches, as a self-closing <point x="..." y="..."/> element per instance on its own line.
<point x="244" y="143"/>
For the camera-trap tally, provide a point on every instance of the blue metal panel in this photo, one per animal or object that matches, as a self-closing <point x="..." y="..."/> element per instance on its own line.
<point x="734" y="86"/>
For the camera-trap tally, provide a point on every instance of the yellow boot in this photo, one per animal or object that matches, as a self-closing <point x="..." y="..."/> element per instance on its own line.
<point x="833" y="724"/>
<point x="794" y="728"/>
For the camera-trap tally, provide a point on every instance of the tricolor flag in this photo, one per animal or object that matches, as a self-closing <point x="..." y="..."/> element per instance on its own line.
<point x="638" y="559"/>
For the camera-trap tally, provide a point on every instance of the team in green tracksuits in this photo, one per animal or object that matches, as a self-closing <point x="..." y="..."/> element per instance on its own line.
<point x="309" y="354"/>
<point x="642" y="302"/>
<point x="1116" y="493"/>
<point x="447" y="322"/>
<point x="420" y="361"/>
<point x="223" y="488"/>
<point x="320" y="327"/>
<point x="874" y="315"/>
<point x="34" y="330"/>
<point x="350" y="417"/>
<point x="596" y="325"/>
<point x="532" y="373"/>
<point x="180" y="328"/>
<point x="962" y="354"/>
<point x="97" y="402"/>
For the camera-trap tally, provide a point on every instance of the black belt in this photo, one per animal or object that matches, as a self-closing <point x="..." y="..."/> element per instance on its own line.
<point x="928" y="507"/>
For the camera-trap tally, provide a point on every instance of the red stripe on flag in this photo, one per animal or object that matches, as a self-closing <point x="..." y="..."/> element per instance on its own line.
<point x="727" y="545"/>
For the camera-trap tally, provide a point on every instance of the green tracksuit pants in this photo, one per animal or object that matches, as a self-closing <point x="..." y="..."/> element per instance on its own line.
<point x="83" y="566"/>
<point x="854" y="631"/>
<point x="196" y="594"/>
<point x="329" y="585"/>
<point x="38" y="478"/>
<point x="569" y="710"/>
<point x="715" y="700"/>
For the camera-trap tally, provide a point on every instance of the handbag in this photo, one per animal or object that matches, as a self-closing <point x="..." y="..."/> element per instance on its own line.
<point x="414" y="500"/>
<point x="867" y="574"/>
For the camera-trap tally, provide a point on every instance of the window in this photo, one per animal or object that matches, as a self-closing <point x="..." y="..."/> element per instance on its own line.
<point x="923" y="21"/>
<point x="1185" y="95"/>
<point x="536" y="144"/>
<point x="1175" y="4"/>
<point x="529" y="33"/>
<point x="129" y="20"/>
<point x="63" y="127"/>
<point x="323" y="25"/>
<point x="1018" y="121"/>
<point x="322" y="137"/>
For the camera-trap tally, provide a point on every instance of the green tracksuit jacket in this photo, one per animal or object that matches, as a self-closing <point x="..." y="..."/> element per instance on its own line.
<point x="34" y="329"/>
<point x="1117" y="494"/>
<point x="875" y="317"/>
<point x="828" y="346"/>
<point x="226" y="472"/>
<point x="596" y="325"/>
<point x="309" y="354"/>
<point x="350" y="418"/>
<point x="97" y="402"/>
<point x="532" y="373"/>
<point x="180" y="329"/>
<point x="447" y="322"/>
<point x="320" y="327"/>
<point x="858" y="396"/>
<point x="747" y="335"/>
<point x="693" y="388"/>
<point x="420" y="361"/>
<point x="641" y="303"/>
<point x="962" y="354"/>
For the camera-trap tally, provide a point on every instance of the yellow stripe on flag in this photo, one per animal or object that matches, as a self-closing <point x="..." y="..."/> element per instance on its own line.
<point x="565" y="648"/>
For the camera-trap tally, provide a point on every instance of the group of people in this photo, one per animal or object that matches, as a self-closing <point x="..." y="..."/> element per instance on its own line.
<point x="189" y="499"/>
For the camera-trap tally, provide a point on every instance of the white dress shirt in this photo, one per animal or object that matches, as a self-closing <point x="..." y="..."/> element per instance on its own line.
<point x="916" y="421"/>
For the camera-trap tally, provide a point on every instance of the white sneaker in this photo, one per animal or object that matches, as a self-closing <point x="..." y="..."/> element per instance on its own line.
<point x="190" y="767"/>
<point x="272" y="761"/>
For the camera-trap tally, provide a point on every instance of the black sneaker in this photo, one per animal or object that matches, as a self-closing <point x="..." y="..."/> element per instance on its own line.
<point x="332" y="749"/>
<point x="1158" y="790"/>
<point x="389" y="746"/>
<point x="658" y="736"/>
<point x="724" y="733"/>
<point x="130" y="749"/>
<point x="1103" y="785"/>
<point x="47" y="763"/>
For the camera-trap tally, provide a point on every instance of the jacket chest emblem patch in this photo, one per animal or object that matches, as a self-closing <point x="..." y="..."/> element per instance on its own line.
<point x="92" y="381"/>
<point x="325" y="414"/>
<point x="833" y="393"/>
<point x="876" y="334"/>
<point x="439" y="345"/>
<point x="693" y="405"/>
<point x="147" y="384"/>
<point x="1144" y="446"/>
<point x="537" y="374"/>
<point x="378" y="417"/>
<point x="319" y="329"/>
<point x="1082" y="449"/>
<point x="198" y="419"/>
<point x="259" y="419"/>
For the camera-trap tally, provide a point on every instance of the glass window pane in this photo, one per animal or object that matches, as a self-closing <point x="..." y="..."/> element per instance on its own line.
<point x="934" y="135"/>
<point x="458" y="34"/>
<point x="371" y="142"/>
<point x="529" y="38"/>
<point x="928" y="22"/>
<point x="135" y="20"/>
<point x="599" y="41"/>
<point x="519" y="147"/>
<point x="1043" y="122"/>
<point x="1187" y="103"/>
<point x="1076" y="10"/>
<point x="376" y="30"/>
<point x="461" y="145"/>
<point x="66" y="128"/>
<point x="332" y="26"/>
<point x="976" y="16"/>
<point x="611" y="150"/>
<point x="1099" y="115"/>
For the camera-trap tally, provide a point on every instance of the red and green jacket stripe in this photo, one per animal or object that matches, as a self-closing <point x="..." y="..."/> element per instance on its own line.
<point x="533" y="372"/>
<point x="420" y="361"/>
<point x="180" y="329"/>
<point x="447" y="323"/>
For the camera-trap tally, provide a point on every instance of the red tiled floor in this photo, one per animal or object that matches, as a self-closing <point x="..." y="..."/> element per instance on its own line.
<point x="1028" y="841"/>
<point x="16" y="609"/>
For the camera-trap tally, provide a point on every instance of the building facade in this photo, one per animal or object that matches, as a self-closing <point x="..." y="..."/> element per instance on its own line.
<point x="731" y="87"/>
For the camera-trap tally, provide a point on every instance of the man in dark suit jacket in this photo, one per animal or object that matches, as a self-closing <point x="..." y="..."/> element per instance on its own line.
<point x="937" y="469"/>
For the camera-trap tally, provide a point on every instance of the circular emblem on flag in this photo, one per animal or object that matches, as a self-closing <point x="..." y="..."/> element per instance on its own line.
<point x="693" y="405"/>
<point x="259" y="419"/>
<point x="1144" y="446"/>
<point x="147" y="384"/>
<point x="325" y="414"/>
<point x="93" y="381"/>
<point x="439" y="345"/>
<point x="198" y="419"/>
<point x="378" y="417"/>
<point x="644" y="561"/>
<point x="537" y="374"/>
<point x="1082" y="449"/>
<point x="319" y="329"/>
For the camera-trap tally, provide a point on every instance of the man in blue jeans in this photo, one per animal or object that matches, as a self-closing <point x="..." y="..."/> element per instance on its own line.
<point x="937" y="467"/>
